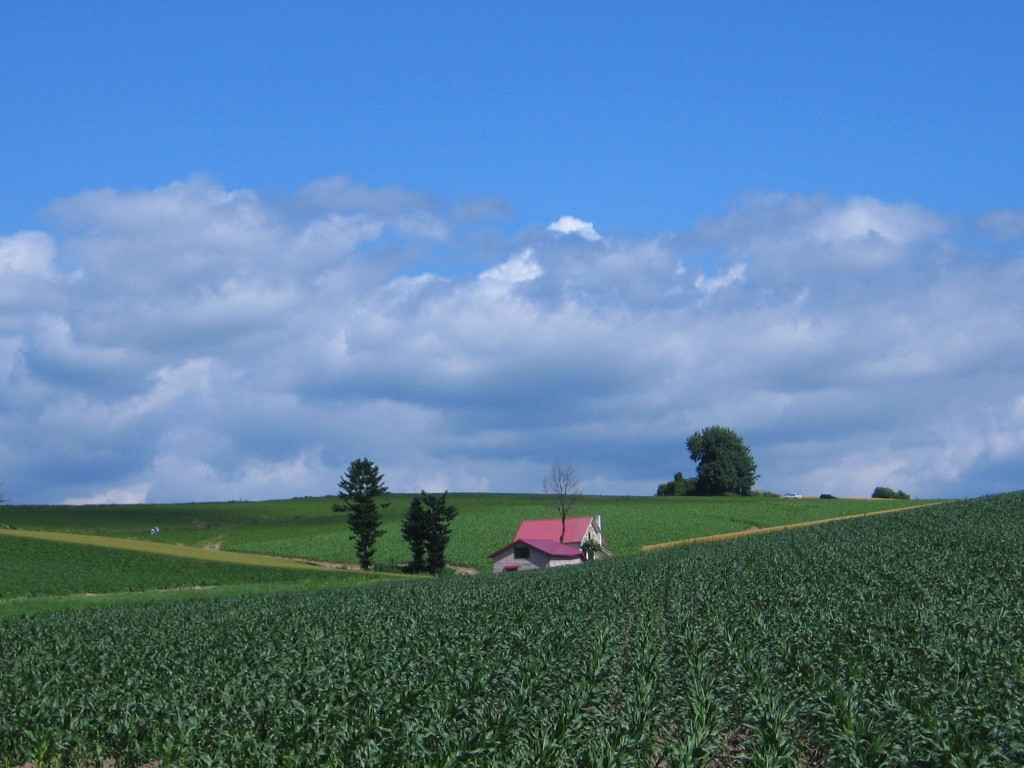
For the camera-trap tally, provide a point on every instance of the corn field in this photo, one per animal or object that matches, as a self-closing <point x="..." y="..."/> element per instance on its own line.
<point x="888" y="641"/>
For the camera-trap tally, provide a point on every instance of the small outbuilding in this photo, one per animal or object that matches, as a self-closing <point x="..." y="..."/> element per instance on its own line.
<point x="540" y="544"/>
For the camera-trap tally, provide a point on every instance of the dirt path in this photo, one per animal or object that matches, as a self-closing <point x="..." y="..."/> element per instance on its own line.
<point x="463" y="569"/>
<point x="754" y="530"/>
<point x="323" y="563"/>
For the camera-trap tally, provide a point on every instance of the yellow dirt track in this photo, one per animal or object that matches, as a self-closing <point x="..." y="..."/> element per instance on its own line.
<point x="773" y="529"/>
<point x="158" y="548"/>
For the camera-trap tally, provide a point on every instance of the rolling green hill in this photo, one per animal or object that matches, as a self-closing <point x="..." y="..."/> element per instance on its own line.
<point x="307" y="528"/>
<point x="44" y="570"/>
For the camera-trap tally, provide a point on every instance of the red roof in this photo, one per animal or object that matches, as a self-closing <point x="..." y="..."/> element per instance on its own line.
<point x="550" y="548"/>
<point x="551" y="530"/>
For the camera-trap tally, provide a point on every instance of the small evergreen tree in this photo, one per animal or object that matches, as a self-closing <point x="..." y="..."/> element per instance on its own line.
<point x="415" y="530"/>
<point x="441" y="516"/>
<point x="427" y="529"/>
<point x="360" y="485"/>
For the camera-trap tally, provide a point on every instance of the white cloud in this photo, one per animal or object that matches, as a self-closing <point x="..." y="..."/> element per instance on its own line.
<point x="215" y="345"/>
<point x="335" y="235"/>
<point x="712" y="285"/>
<point x="570" y="225"/>
<point x="862" y="218"/>
<point x="190" y="379"/>
<point x="1006" y="225"/>
<point x="27" y="253"/>
<point x="789" y="237"/>
<point x="30" y="280"/>
<point x="519" y="269"/>
<point x="135" y="494"/>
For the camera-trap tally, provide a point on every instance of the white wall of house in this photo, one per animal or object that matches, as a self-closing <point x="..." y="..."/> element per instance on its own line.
<point x="536" y="560"/>
<point x="507" y="558"/>
<point x="558" y="562"/>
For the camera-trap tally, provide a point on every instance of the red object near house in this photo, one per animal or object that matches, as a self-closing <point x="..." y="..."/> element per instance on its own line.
<point x="551" y="530"/>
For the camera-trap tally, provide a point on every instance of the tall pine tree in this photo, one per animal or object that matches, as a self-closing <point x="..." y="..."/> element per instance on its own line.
<point x="415" y="530"/>
<point x="360" y="486"/>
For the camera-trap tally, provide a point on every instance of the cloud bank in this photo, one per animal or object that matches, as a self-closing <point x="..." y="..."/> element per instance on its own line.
<point x="197" y="343"/>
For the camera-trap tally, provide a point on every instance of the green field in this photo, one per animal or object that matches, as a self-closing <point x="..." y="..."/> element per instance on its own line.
<point x="308" y="528"/>
<point x="33" y="568"/>
<point x="892" y="640"/>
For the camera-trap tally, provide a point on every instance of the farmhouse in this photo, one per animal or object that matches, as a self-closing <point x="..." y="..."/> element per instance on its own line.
<point x="539" y="544"/>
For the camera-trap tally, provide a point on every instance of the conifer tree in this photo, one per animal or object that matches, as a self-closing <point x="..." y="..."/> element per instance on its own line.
<point x="360" y="485"/>
<point x="427" y="529"/>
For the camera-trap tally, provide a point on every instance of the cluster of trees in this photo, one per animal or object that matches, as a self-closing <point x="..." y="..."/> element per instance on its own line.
<point x="427" y="525"/>
<point x="881" y="492"/>
<point x="678" y="486"/>
<point x="426" y="528"/>
<point x="724" y="465"/>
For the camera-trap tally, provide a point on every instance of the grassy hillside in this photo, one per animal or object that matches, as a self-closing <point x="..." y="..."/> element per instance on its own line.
<point x="888" y="640"/>
<point x="37" y="568"/>
<point x="308" y="528"/>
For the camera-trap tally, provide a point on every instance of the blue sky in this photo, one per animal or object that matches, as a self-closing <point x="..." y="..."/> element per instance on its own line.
<point x="243" y="244"/>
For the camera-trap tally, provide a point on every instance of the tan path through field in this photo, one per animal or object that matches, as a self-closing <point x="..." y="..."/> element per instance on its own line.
<point x="207" y="553"/>
<point x="159" y="548"/>
<point x="775" y="528"/>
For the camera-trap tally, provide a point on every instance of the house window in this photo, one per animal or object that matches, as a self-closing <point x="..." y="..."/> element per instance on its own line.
<point x="521" y="552"/>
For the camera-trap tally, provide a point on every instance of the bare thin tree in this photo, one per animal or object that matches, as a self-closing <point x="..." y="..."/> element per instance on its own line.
<point x="564" y="487"/>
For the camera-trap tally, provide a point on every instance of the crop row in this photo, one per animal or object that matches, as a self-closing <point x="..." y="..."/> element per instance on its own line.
<point x="882" y="641"/>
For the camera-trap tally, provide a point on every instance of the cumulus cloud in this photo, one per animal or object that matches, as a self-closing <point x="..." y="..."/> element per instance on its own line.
<point x="30" y="279"/>
<point x="27" y="253"/>
<point x="570" y="225"/>
<point x="519" y="269"/>
<point x="135" y="494"/>
<point x="1005" y="225"/>
<point x="790" y="236"/>
<point x="191" y="342"/>
<point x="710" y="285"/>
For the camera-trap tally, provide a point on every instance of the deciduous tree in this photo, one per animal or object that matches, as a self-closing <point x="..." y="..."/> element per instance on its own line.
<point x="361" y="484"/>
<point x="564" y="488"/>
<point x="724" y="462"/>
<point x="678" y="486"/>
<point x="884" y="492"/>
